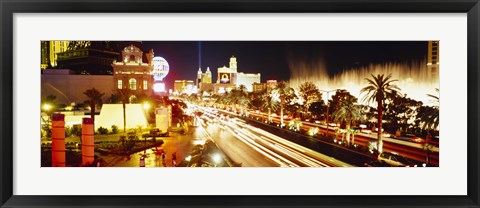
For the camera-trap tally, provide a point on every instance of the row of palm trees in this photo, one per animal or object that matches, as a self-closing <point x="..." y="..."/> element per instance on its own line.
<point x="347" y="110"/>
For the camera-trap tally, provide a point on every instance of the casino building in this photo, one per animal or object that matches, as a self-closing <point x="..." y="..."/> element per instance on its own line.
<point x="228" y="78"/>
<point x="132" y="73"/>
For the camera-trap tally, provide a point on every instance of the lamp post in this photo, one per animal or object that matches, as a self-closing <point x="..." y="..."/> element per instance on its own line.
<point x="328" y="104"/>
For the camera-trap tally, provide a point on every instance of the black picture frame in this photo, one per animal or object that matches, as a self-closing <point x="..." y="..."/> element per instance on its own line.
<point x="10" y="7"/>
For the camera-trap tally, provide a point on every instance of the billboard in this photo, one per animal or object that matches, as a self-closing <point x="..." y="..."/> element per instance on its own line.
<point x="225" y="78"/>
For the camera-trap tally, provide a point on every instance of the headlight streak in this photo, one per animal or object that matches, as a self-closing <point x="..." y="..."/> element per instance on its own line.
<point x="296" y="153"/>
<point x="277" y="149"/>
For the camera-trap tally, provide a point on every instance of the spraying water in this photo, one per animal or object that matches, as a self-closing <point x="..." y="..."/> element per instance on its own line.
<point x="415" y="79"/>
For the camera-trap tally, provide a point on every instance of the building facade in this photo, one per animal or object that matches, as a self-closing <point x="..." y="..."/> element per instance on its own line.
<point x="228" y="78"/>
<point x="132" y="74"/>
<point x="204" y="80"/>
<point x="183" y="86"/>
<point x="433" y="57"/>
<point x="247" y="80"/>
<point x="45" y="54"/>
<point x="56" y="47"/>
<point x="49" y="52"/>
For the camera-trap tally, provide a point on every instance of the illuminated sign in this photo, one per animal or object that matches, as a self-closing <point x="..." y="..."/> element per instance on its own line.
<point x="224" y="78"/>
<point x="160" y="68"/>
<point x="159" y="87"/>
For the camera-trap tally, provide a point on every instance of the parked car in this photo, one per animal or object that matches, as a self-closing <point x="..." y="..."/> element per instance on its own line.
<point x="396" y="160"/>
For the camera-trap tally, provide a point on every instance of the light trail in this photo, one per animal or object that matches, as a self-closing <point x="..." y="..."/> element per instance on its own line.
<point x="277" y="149"/>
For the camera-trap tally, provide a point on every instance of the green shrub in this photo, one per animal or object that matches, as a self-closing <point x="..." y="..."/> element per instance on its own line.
<point x="77" y="130"/>
<point x="114" y="129"/>
<point x="102" y="130"/>
<point x="68" y="131"/>
<point x="47" y="129"/>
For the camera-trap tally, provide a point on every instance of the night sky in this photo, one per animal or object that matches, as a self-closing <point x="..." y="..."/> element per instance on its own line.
<point x="271" y="58"/>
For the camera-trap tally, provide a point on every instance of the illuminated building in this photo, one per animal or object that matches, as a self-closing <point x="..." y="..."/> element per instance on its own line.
<point x="226" y="75"/>
<point x="204" y="77"/>
<point x="247" y="80"/>
<point x="49" y="50"/>
<point x="271" y="84"/>
<point x="45" y="54"/>
<point x="204" y="80"/>
<point x="132" y="73"/>
<point x="91" y="57"/>
<point x="207" y="76"/>
<point x="56" y="47"/>
<point x="259" y="87"/>
<point x="229" y="78"/>
<point x="183" y="86"/>
<point x="267" y="86"/>
<point x="433" y="57"/>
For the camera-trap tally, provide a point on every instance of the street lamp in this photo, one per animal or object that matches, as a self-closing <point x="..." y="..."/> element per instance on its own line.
<point x="146" y="106"/>
<point x="46" y="107"/>
<point x="328" y="104"/>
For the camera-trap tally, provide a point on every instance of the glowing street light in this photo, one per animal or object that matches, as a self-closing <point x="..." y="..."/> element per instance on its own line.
<point x="146" y="106"/>
<point x="47" y="107"/>
<point x="217" y="158"/>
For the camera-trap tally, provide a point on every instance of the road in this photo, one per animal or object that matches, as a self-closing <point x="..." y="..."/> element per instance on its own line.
<point x="237" y="150"/>
<point x="254" y="147"/>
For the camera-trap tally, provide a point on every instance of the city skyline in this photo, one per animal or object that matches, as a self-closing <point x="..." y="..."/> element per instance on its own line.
<point x="274" y="59"/>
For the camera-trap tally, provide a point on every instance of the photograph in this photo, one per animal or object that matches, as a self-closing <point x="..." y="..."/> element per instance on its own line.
<point x="239" y="104"/>
<point x="267" y="103"/>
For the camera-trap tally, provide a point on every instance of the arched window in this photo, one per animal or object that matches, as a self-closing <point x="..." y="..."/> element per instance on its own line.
<point x="133" y="84"/>
<point x="132" y="99"/>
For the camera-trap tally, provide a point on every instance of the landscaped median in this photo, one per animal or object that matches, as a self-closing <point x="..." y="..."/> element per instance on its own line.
<point x="119" y="144"/>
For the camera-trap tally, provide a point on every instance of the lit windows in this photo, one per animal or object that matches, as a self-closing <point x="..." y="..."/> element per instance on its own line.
<point x="145" y="84"/>
<point x="119" y="84"/>
<point x="133" y="84"/>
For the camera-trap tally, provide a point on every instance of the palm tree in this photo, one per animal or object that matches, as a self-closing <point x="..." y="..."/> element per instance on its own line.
<point x="284" y="94"/>
<point x="347" y="112"/>
<point x="94" y="97"/>
<point x="124" y="96"/>
<point x="310" y="94"/>
<point x="376" y="90"/>
<point x="431" y="118"/>
<point x="241" y="98"/>
<point x="269" y="103"/>
<point x="353" y="132"/>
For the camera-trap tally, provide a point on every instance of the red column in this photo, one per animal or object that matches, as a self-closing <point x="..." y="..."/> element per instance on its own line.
<point x="58" y="140"/>
<point x="88" y="144"/>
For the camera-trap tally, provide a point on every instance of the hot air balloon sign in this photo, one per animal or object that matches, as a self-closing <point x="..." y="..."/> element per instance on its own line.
<point x="160" y="68"/>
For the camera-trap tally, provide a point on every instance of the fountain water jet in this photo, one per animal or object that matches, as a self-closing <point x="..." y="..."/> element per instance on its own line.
<point x="415" y="79"/>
